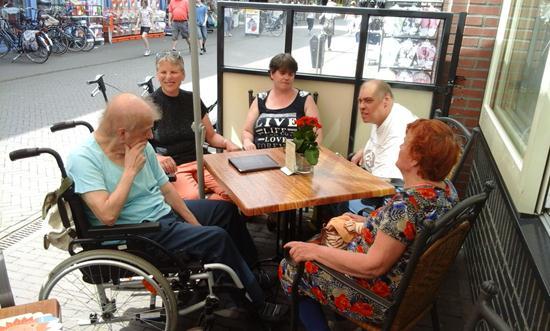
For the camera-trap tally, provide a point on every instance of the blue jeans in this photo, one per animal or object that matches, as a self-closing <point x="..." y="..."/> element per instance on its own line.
<point x="223" y="238"/>
<point x="227" y="24"/>
<point x="311" y="315"/>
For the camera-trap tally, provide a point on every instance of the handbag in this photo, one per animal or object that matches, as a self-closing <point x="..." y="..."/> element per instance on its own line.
<point x="340" y="231"/>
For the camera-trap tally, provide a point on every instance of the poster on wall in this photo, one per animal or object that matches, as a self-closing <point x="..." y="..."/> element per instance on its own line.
<point x="252" y="21"/>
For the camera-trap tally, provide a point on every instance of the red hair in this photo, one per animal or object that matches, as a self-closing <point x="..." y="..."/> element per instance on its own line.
<point x="434" y="146"/>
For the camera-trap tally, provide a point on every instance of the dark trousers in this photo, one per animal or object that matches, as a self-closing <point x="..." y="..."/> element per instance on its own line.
<point x="222" y="238"/>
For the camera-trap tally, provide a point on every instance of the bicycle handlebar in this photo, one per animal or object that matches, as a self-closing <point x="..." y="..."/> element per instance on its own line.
<point x="95" y="91"/>
<point x="96" y="79"/>
<point x="147" y="86"/>
<point x="100" y="86"/>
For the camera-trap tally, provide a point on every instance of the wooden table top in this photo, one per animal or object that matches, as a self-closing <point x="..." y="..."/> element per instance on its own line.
<point x="334" y="179"/>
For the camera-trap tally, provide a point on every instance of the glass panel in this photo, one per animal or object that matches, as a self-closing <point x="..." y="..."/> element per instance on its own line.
<point x="522" y="63"/>
<point x="333" y="35"/>
<point x="402" y="49"/>
<point x="252" y="37"/>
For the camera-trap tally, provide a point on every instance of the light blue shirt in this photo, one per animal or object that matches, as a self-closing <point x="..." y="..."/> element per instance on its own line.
<point x="91" y="170"/>
<point x="201" y="15"/>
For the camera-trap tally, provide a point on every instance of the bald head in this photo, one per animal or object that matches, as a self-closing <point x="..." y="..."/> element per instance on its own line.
<point x="379" y="87"/>
<point x="126" y="111"/>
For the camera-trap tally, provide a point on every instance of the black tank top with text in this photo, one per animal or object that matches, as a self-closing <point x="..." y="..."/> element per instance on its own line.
<point x="274" y="126"/>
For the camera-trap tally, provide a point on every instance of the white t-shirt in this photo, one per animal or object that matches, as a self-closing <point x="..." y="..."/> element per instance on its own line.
<point x="146" y="17"/>
<point x="382" y="148"/>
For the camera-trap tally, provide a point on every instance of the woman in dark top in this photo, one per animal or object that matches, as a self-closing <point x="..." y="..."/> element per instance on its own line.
<point x="273" y="114"/>
<point x="174" y="140"/>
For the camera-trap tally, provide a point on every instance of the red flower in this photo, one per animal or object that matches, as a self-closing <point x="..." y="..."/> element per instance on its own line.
<point x="363" y="282"/>
<point x="362" y="308"/>
<point x="360" y="249"/>
<point x="311" y="268"/>
<point x="319" y="295"/>
<point x="427" y="193"/>
<point x="341" y="302"/>
<point x="308" y="121"/>
<point x="413" y="201"/>
<point x="367" y="236"/>
<point x="280" y="272"/>
<point x="381" y="288"/>
<point x="410" y="231"/>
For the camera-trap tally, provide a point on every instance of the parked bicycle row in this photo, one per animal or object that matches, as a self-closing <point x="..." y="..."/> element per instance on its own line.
<point x="43" y="34"/>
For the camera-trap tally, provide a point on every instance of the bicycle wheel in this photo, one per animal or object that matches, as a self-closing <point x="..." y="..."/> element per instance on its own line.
<point x="90" y="39"/>
<point x="59" y="40"/>
<point x="77" y="38"/>
<point x="111" y="290"/>
<point x="276" y="29"/>
<point x="5" y="46"/>
<point x="41" y="54"/>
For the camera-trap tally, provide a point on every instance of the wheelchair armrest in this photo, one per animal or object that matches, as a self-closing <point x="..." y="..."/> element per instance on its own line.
<point x="123" y="229"/>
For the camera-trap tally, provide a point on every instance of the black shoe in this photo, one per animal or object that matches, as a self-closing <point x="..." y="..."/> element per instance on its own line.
<point x="204" y="49"/>
<point x="272" y="312"/>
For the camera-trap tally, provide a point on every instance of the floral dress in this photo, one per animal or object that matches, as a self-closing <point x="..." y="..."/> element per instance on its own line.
<point x="401" y="218"/>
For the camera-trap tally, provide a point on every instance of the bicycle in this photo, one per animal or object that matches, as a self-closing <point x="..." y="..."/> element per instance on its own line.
<point x="38" y="51"/>
<point x="273" y="25"/>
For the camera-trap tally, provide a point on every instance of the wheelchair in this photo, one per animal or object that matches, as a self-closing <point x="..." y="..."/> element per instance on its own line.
<point x="118" y="279"/>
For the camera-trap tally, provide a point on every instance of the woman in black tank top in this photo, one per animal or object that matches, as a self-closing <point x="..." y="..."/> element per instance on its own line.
<point x="273" y="114"/>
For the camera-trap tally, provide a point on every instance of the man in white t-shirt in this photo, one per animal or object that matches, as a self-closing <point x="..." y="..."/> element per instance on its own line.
<point x="389" y="121"/>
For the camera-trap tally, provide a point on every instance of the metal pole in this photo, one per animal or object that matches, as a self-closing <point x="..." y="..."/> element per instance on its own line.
<point x="197" y="126"/>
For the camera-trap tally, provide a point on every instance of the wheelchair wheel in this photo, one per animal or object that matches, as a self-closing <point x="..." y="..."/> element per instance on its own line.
<point x="111" y="290"/>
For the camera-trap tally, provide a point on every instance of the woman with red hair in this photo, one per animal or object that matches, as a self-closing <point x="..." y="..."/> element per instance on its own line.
<point x="379" y="252"/>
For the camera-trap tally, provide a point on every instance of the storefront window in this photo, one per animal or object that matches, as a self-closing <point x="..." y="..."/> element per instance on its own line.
<point x="521" y="68"/>
<point x="403" y="49"/>
<point x="323" y="42"/>
<point x="262" y="31"/>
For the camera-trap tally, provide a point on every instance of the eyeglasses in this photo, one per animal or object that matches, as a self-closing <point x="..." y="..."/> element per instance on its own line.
<point x="171" y="56"/>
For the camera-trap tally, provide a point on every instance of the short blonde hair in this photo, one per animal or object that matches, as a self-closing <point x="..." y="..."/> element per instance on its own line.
<point x="173" y="57"/>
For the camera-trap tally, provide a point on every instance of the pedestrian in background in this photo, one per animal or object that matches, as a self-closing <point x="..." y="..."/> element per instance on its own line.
<point x="178" y="14"/>
<point x="145" y="21"/>
<point x="202" y="16"/>
<point x="227" y="22"/>
<point x="328" y="21"/>
<point x="310" y="19"/>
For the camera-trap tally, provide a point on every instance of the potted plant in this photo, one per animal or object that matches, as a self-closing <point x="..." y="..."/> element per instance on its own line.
<point x="307" y="149"/>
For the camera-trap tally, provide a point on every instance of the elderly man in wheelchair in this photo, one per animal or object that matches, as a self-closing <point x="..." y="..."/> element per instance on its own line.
<point x="129" y="206"/>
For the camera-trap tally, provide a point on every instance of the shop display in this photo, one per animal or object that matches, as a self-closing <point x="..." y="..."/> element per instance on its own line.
<point x="404" y="48"/>
<point x="88" y="13"/>
<point x="124" y="14"/>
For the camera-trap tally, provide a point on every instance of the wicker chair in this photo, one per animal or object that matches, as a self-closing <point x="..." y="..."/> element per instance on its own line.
<point x="433" y="252"/>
